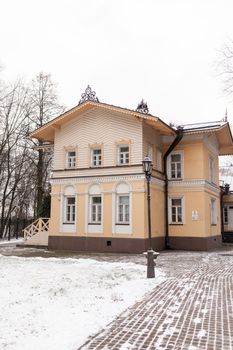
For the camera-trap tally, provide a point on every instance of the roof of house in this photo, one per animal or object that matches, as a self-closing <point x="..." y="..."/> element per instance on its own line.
<point x="221" y="129"/>
<point x="46" y="132"/>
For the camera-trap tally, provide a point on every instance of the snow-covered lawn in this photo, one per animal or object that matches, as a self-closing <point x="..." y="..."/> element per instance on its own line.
<point x="12" y="241"/>
<point x="55" y="304"/>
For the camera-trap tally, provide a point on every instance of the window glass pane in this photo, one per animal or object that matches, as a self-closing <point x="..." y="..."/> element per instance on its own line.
<point x="176" y="201"/>
<point x="173" y="210"/>
<point x="124" y="199"/>
<point x="120" y="216"/>
<point x="71" y="200"/>
<point x="96" y="200"/>
<point x="175" y="157"/>
<point x="99" y="213"/>
<point x="127" y="213"/>
<point x="96" y="151"/>
<point x="124" y="149"/>
<point x="179" y="214"/>
<point x="93" y="213"/>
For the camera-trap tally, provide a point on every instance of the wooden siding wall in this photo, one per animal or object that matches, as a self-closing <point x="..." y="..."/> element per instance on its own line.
<point x="101" y="128"/>
<point x="151" y="137"/>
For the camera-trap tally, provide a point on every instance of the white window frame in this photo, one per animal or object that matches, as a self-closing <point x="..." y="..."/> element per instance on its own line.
<point x="98" y="210"/>
<point x="211" y="169"/>
<point x="96" y="158"/>
<point x="72" y="209"/>
<point x="125" y="212"/>
<point x="181" y="154"/>
<point x="176" y="222"/>
<point x="213" y="211"/>
<point x="70" y="160"/>
<point x="124" y="160"/>
<point x="122" y="228"/>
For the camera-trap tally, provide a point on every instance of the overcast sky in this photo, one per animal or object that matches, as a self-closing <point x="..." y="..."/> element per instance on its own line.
<point x="161" y="50"/>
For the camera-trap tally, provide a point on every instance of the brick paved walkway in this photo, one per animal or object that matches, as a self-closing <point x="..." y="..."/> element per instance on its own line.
<point x="191" y="310"/>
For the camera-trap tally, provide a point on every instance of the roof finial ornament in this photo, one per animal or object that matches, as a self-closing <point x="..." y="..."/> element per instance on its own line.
<point x="88" y="95"/>
<point x="142" y="107"/>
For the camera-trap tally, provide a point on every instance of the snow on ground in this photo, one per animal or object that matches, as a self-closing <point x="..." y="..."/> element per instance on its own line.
<point x="12" y="241"/>
<point x="55" y="304"/>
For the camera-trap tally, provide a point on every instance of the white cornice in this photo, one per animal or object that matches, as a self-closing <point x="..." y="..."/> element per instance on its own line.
<point x="194" y="184"/>
<point x="100" y="179"/>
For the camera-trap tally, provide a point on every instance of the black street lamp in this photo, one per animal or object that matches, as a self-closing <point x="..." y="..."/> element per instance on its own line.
<point x="151" y="255"/>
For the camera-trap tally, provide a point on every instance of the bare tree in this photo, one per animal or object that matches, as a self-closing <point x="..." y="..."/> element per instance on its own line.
<point x="24" y="171"/>
<point x="225" y="67"/>
<point x="45" y="106"/>
<point x="13" y="148"/>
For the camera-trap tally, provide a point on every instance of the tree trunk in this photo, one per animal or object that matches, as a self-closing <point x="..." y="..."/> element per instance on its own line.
<point x="39" y="201"/>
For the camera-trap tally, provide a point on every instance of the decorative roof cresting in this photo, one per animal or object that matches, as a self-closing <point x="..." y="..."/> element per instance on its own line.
<point x="142" y="107"/>
<point x="88" y="95"/>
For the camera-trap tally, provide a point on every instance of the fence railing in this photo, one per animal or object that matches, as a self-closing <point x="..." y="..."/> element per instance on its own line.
<point x="38" y="226"/>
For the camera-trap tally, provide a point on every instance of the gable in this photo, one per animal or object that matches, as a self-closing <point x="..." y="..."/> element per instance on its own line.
<point x="47" y="132"/>
<point x="98" y="126"/>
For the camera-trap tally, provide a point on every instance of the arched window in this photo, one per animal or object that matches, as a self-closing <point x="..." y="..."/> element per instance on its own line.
<point x="95" y="205"/>
<point x="122" y="204"/>
<point x="69" y="212"/>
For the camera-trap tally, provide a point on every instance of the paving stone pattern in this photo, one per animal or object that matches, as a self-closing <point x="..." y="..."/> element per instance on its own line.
<point x="191" y="310"/>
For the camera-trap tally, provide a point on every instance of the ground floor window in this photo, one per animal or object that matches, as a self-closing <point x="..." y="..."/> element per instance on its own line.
<point x="70" y="210"/>
<point x="213" y="212"/>
<point x="225" y="215"/>
<point x="176" y="211"/>
<point x="123" y="209"/>
<point x="96" y="209"/>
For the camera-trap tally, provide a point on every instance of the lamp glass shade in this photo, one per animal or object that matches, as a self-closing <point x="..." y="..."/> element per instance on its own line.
<point x="147" y="165"/>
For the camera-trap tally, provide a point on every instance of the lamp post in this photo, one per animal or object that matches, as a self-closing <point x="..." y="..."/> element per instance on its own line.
<point x="147" y="168"/>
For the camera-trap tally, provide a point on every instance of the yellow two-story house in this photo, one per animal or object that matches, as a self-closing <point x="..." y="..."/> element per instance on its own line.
<point x="98" y="185"/>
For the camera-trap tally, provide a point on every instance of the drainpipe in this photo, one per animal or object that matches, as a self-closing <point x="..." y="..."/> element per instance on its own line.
<point x="179" y="136"/>
<point x="224" y="190"/>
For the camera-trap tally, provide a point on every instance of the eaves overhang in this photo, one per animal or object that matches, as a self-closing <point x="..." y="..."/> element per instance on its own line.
<point x="222" y="132"/>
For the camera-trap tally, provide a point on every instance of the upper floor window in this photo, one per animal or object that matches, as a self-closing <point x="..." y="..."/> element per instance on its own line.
<point x="176" y="211"/>
<point x="96" y="157"/>
<point x="70" y="210"/>
<point x="211" y="169"/>
<point x="71" y="159"/>
<point x="123" y="154"/>
<point x="176" y="160"/>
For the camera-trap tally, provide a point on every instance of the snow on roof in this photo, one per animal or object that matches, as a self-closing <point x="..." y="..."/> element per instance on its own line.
<point x="203" y="126"/>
